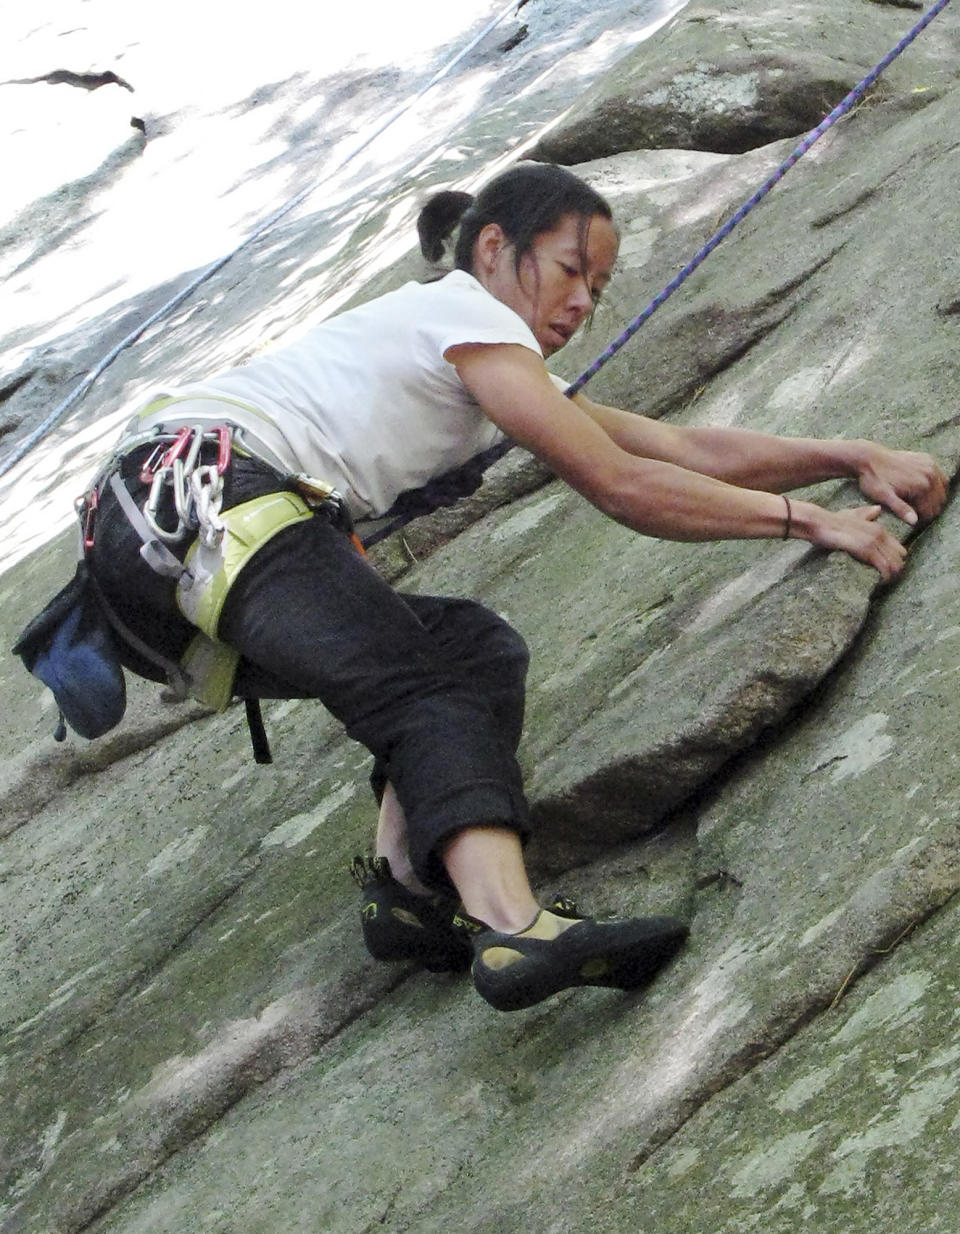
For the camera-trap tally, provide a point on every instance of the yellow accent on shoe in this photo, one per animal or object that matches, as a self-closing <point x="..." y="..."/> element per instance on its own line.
<point x="499" y="957"/>
<point x="593" y="969"/>
<point x="547" y="925"/>
<point x="408" y="918"/>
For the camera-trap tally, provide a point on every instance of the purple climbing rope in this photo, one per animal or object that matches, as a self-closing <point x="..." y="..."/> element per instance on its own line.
<point x="828" y="122"/>
<point x="425" y="501"/>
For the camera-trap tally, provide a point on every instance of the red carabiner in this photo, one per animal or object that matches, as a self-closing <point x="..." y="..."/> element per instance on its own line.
<point x="223" y="432"/>
<point x="90" y="507"/>
<point x="177" y="446"/>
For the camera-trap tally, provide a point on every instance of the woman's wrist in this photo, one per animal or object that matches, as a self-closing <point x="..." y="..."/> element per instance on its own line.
<point x="851" y="456"/>
<point x="805" y="519"/>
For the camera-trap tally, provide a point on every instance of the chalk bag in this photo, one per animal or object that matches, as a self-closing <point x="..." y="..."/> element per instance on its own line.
<point x="71" y="648"/>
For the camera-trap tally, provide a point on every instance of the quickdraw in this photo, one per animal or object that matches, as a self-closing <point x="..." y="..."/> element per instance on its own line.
<point x="196" y="488"/>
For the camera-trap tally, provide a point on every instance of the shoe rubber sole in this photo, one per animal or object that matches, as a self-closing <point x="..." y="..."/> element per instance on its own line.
<point x="620" y="954"/>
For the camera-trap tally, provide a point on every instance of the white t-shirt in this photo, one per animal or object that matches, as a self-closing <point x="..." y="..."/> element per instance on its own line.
<point x="366" y="401"/>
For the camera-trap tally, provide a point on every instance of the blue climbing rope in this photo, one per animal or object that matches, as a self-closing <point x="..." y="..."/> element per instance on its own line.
<point x="77" y="393"/>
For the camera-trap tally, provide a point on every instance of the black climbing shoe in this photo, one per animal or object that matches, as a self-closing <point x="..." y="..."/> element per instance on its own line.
<point x="399" y="925"/>
<point x="512" y="971"/>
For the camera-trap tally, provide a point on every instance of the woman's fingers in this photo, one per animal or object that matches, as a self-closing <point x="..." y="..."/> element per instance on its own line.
<point x="855" y="531"/>
<point x="910" y="484"/>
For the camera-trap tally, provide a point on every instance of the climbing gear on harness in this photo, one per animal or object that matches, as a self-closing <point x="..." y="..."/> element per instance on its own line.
<point x="197" y="489"/>
<point x="561" y="948"/>
<point x="399" y="925"/>
<point x="224" y="543"/>
<point x="72" y="644"/>
<point x="213" y="562"/>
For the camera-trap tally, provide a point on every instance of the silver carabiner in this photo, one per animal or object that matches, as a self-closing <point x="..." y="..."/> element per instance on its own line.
<point x="206" y="486"/>
<point x="183" y="469"/>
<point x="150" y="507"/>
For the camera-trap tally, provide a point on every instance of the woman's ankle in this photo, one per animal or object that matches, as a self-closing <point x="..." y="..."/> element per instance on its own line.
<point x="403" y="872"/>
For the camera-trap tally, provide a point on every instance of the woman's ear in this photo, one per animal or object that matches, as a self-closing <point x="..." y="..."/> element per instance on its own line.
<point x="489" y="244"/>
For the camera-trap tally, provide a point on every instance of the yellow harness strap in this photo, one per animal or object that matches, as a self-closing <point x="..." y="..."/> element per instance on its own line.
<point x="210" y="664"/>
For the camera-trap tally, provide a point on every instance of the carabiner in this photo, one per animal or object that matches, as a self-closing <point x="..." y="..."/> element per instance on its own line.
<point x="150" y="464"/>
<point x="206" y="486"/>
<point x="225" y="439"/>
<point x="177" y="446"/>
<point x="151" y="506"/>
<point x="91" y="504"/>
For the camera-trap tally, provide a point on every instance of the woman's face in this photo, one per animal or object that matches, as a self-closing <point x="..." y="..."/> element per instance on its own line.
<point x="556" y="288"/>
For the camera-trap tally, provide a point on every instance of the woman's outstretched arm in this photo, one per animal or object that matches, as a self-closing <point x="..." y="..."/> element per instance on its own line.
<point x="911" y="485"/>
<point x="650" y="480"/>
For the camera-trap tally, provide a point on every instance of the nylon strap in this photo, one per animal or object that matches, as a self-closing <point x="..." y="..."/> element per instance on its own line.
<point x="213" y="569"/>
<point x="154" y="552"/>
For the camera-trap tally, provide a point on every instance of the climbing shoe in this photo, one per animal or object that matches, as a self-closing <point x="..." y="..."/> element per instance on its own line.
<point x="562" y="948"/>
<point x="399" y="925"/>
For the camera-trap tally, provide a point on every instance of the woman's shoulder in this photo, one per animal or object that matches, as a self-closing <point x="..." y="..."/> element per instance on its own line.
<point x="454" y="292"/>
<point x="462" y="295"/>
<point x="454" y="309"/>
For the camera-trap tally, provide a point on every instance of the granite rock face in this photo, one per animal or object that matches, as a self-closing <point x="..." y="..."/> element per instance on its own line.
<point x="731" y="78"/>
<point x="750" y="735"/>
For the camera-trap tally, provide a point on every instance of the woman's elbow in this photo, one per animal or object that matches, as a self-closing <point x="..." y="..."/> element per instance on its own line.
<point x="615" y="495"/>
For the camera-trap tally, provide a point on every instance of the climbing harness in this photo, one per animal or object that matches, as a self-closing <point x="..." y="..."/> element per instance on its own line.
<point x="69" y="645"/>
<point x="73" y="645"/>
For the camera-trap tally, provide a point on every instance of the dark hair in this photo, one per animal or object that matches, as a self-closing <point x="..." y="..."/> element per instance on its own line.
<point x="525" y="201"/>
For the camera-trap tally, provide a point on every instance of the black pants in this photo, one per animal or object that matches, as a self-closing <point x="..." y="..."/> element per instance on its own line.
<point x="433" y="687"/>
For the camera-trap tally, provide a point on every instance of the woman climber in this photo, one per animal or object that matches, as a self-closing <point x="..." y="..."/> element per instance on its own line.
<point x="375" y="402"/>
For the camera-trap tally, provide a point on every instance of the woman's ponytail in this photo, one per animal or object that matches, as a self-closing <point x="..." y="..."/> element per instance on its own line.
<point x="437" y="220"/>
<point x="524" y="201"/>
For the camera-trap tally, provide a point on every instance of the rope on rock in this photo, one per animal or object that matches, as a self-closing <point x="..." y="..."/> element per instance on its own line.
<point x="423" y="501"/>
<point x="80" y="390"/>
<point x="850" y="101"/>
